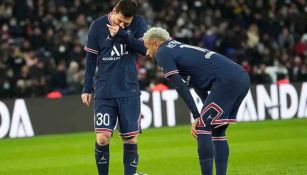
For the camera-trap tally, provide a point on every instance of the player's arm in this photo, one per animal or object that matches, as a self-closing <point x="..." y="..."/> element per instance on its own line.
<point x="134" y="42"/>
<point x="166" y="60"/>
<point x="90" y="66"/>
<point x="185" y="93"/>
<point x="91" y="49"/>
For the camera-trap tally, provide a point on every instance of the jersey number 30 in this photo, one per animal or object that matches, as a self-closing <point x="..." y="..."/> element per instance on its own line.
<point x="103" y="119"/>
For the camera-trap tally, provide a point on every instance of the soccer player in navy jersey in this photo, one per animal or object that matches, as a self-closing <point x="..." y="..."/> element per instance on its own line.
<point x="204" y="70"/>
<point x="111" y="50"/>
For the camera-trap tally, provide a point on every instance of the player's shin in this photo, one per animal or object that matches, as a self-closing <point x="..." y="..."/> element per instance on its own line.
<point x="221" y="150"/>
<point x="131" y="157"/>
<point x="102" y="157"/>
<point x="221" y="156"/>
<point x="205" y="153"/>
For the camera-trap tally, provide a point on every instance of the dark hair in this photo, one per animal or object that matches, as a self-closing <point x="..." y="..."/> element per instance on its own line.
<point x="127" y="8"/>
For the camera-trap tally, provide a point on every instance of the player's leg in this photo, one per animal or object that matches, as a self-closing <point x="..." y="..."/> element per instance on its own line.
<point x="202" y="94"/>
<point x="234" y="100"/>
<point x="205" y="153"/>
<point x="219" y="136"/>
<point x="216" y="108"/>
<point x="204" y="140"/>
<point x="104" y="121"/>
<point x="129" y="122"/>
<point x="102" y="153"/>
<point x="130" y="157"/>
<point x="221" y="149"/>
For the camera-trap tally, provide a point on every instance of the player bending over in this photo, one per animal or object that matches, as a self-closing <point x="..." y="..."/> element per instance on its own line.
<point x="204" y="70"/>
<point x="112" y="46"/>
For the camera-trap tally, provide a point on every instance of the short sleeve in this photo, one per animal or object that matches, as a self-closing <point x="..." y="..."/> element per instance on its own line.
<point x="92" y="42"/>
<point x="167" y="62"/>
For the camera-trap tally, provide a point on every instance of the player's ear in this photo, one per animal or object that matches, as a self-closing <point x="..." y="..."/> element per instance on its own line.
<point x="156" y="44"/>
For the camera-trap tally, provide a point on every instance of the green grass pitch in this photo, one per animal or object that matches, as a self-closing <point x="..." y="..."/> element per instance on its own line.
<point x="257" y="148"/>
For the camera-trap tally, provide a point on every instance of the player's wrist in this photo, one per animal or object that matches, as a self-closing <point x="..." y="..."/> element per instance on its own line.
<point x="196" y="115"/>
<point x="122" y="33"/>
<point x="87" y="91"/>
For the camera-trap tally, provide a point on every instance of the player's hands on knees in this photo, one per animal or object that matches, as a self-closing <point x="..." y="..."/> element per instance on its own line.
<point x="86" y="98"/>
<point x="113" y="29"/>
<point x="193" y="127"/>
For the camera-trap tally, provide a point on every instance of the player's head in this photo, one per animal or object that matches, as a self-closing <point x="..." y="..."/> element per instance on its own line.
<point x="153" y="38"/>
<point x="123" y="12"/>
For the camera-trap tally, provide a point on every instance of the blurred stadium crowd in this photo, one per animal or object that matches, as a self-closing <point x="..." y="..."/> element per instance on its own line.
<point x="41" y="44"/>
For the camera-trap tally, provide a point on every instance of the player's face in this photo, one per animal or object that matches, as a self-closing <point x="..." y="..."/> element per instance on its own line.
<point x="121" y="20"/>
<point x="152" y="47"/>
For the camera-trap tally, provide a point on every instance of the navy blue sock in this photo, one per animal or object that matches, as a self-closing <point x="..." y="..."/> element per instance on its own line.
<point x="131" y="158"/>
<point x="205" y="153"/>
<point x="102" y="157"/>
<point x="221" y="149"/>
<point x="221" y="156"/>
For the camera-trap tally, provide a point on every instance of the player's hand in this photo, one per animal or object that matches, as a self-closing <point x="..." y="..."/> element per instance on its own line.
<point x="113" y="29"/>
<point x="86" y="98"/>
<point x="193" y="127"/>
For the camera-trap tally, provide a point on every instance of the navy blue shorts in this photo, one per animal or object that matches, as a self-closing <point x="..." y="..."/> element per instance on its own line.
<point x="223" y="102"/>
<point x="125" y="109"/>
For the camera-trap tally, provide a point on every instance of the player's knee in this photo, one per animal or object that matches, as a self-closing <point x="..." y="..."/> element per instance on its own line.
<point x="130" y="140"/>
<point x="220" y="131"/>
<point x="103" y="138"/>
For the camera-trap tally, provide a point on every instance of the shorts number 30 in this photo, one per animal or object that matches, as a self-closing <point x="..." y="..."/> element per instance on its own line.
<point x="103" y="119"/>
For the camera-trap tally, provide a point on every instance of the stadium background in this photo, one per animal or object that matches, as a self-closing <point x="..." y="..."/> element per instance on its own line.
<point x="42" y="57"/>
<point x="42" y="42"/>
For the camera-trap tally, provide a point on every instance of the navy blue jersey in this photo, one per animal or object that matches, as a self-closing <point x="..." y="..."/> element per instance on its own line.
<point x="200" y="68"/>
<point x="114" y="57"/>
<point x="196" y="67"/>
